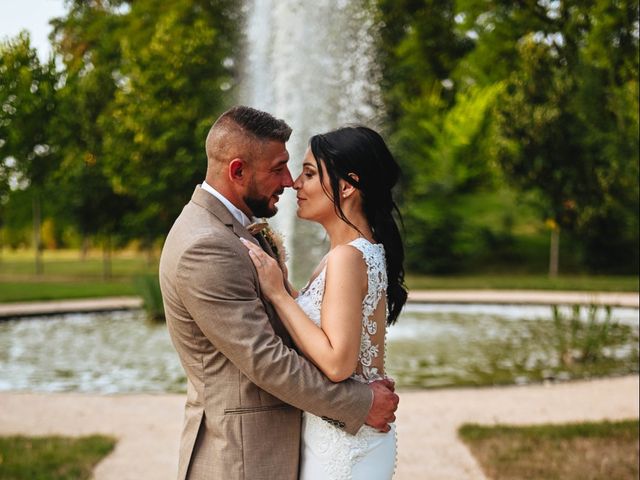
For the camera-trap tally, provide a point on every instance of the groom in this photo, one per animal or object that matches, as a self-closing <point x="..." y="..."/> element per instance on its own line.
<point x="246" y="384"/>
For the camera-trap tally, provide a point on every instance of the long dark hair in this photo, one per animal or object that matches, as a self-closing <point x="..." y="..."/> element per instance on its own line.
<point x="361" y="151"/>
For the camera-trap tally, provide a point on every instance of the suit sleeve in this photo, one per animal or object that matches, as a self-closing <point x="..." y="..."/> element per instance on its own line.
<point x="219" y="287"/>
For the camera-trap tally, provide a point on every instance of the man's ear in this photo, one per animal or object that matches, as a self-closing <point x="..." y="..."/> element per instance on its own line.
<point x="237" y="170"/>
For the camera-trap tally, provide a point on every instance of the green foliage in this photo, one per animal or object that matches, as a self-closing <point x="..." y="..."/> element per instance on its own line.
<point x="584" y="341"/>
<point x="487" y="100"/>
<point x="88" y="40"/>
<point x="176" y="75"/>
<point x="52" y="458"/>
<point x="536" y="97"/>
<point x="148" y="287"/>
<point x="563" y="128"/>
<point x="141" y="84"/>
<point x="28" y="107"/>
<point x="27" y="97"/>
<point x="440" y="235"/>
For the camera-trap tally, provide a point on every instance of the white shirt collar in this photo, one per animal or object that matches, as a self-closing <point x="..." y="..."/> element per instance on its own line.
<point x="235" y="211"/>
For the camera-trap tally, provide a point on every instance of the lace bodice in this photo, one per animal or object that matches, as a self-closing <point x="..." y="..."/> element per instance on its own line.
<point x="310" y="300"/>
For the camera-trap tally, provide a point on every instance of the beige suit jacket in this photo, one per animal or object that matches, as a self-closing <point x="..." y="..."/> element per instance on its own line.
<point x="246" y="386"/>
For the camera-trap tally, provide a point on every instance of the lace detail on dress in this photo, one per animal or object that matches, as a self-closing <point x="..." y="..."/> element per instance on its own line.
<point x="338" y="451"/>
<point x="310" y="297"/>
<point x="377" y="286"/>
<point x="310" y="300"/>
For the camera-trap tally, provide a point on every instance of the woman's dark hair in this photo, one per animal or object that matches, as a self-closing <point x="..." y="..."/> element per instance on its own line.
<point x="361" y="151"/>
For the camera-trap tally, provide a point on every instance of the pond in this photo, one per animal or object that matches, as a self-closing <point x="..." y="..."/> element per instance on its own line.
<point x="430" y="346"/>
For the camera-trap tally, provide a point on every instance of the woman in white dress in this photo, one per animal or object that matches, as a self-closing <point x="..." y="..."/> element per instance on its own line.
<point x="338" y="321"/>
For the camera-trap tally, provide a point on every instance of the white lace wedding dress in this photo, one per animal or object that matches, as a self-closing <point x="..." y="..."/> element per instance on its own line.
<point x="327" y="452"/>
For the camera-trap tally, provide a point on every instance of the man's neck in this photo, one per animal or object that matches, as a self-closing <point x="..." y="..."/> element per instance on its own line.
<point x="239" y="214"/>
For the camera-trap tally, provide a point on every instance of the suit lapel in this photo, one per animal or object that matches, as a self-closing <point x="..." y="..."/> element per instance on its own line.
<point x="214" y="206"/>
<point x="217" y="208"/>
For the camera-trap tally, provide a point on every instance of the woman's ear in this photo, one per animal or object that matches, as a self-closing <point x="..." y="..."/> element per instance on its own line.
<point x="346" y="189"/>
<point x="354" y="177"/>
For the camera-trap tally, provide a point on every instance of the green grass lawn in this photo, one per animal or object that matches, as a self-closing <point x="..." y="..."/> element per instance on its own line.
<point x="525" y="282"/>
<point x="68" y="264"/>
<point x="67" y="276"/>
<point x="52" y="458"/>
<point x="24" y="291"/>
<point x="581" y="451"/>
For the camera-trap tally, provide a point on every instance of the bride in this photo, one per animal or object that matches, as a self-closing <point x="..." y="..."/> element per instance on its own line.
<point x="339" y="319"/>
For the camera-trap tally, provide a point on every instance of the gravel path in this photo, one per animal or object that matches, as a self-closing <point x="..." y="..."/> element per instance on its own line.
<point x="148" y="426"/>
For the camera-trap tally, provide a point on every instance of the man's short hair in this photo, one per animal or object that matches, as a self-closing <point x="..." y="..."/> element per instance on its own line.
<point x="257" y="123"/>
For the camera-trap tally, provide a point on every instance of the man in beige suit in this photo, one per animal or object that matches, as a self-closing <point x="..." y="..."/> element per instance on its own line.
<point x="246" y="384"/>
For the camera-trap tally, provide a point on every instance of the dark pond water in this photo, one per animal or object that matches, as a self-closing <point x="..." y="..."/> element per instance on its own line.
<point x="431" y="346"/>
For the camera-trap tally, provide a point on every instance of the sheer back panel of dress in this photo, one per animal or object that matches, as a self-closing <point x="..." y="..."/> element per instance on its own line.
<point x="374" y="312"/>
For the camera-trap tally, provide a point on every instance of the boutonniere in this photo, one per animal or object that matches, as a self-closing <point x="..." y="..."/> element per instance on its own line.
<point x="273" y="238"/>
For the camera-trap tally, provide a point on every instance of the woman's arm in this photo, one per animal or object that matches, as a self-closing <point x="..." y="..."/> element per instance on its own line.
<point x="334" y="347"/>
<point x="293" y="291"/>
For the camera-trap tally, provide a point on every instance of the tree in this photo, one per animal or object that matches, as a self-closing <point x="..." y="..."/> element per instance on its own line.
<point x="177" y="70"/>
<point x="143" y="82"/>
<point x="436" y="130"/>
<point x="441" y="236"/>
<point x="28" y="99"/>
<point x="569" y="123"/>
<point x="88" y="41"/>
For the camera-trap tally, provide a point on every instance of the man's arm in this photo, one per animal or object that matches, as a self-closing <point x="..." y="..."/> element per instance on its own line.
<point x="218" y="286"/>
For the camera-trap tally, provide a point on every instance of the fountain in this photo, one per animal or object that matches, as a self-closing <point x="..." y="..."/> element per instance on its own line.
<point x="312" y="64"/>
<point x="431" y="346"/>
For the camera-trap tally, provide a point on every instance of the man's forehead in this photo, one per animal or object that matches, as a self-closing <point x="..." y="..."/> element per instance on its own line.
<point x="276" y="153"/>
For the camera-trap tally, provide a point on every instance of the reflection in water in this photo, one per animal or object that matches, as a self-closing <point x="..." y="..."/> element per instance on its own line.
<point x="431" y="346"/>
<point x="105" y="353"/>
<point x="474" y="345"/>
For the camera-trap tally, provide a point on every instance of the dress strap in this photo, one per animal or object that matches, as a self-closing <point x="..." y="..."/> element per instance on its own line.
<point x="374" y="258"/>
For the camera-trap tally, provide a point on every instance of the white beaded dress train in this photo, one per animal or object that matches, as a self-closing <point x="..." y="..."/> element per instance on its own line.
<point x="327" y="452"/>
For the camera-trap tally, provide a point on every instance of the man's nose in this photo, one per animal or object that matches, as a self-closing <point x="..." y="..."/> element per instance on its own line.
<point x="287" y="180"/>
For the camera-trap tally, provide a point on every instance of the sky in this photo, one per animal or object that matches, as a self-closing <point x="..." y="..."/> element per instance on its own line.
<point x="30" y="15"/>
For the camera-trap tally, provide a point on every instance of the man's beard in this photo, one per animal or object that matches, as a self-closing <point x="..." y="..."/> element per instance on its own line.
<point x="259" y="206"/>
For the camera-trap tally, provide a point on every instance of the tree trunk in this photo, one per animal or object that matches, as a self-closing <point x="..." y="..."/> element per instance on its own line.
<point x="554" y="252"/>
<point x="150" y="256"/>
<point x="37" y="225"/>
<point x="106" y="258"/>
<point x="84" y="251"/>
